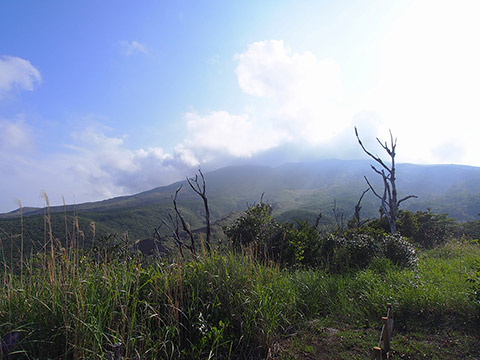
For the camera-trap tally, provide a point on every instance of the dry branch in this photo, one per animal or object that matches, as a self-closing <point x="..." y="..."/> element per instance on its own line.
<point x="200" y="189"/>
<point x="389" y="201"/>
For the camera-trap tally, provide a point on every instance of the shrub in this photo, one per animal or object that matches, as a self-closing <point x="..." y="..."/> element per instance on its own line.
<point x="397" y="249"/>
<point x="301" y="244"/>
<point x="422" y="227"/>
<point x="254" y="228"/>
<point x="298" y="244"/>
<point x="356" y="249"/>
<point x="469" y="230"/>
<point x="433" y="229"/>
<point x="351" y="250"/>
<point x="288" y="244"/>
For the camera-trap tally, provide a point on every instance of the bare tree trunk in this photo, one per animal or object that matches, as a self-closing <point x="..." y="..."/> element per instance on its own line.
<point x="358" y="223"/>
<point x="338" y="215"/>
<point x="185" y="226"/>
<point x="389" y="200"/>
<point x="200" y="189"/>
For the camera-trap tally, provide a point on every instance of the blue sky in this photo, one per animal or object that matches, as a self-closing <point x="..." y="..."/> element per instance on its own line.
<point x="107" y="98"/>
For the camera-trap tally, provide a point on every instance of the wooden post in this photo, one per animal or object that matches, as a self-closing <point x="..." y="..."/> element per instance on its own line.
<point x="377" y="353"/>
<point x="390" y="318"/>
<point x="381" y="351"/>
<point x="386" y="334"/>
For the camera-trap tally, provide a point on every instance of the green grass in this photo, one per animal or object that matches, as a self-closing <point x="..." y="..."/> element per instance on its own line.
<point x="231" y="306"/>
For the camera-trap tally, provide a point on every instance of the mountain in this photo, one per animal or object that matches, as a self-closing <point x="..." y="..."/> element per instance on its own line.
<point x="296" y="190"/>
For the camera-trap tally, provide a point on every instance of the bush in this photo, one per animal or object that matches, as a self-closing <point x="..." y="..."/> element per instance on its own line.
<point x="354" y="251"/>
<point x="253" y="227"/>
<point x="397" y="249"/>
<point x="422" y="227"/>
<point x="358" y="248"/>
<point x="474" y="283"/>
<point x="469" y="230"/>
<point x="301" y="244"/>
<point x="288" y="244"/>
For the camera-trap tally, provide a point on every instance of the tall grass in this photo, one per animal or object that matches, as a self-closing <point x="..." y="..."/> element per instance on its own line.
<point x="68" y="305"/>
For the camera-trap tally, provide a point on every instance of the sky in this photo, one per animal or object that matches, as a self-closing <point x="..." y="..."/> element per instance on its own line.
<point x="106" y="98"/>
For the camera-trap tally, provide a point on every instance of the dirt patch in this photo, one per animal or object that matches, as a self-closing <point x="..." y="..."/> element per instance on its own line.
<point x="318" y="342"/>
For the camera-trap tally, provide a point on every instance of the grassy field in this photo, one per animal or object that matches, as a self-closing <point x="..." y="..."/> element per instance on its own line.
<point x="69" y="306"/>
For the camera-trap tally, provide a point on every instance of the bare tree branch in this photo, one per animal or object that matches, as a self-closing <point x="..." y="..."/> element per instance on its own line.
<point x="358" y="208"/>
<point x="374" y="157"/>
<point x="317" y="220"/>
<point x="185" y="226"/>
<point x="390" y="204"/>
<point x="179" y="242"/>
<point x="338" y="215"/>
<point x="406" y="198"/>
<point x="200" y="189"/>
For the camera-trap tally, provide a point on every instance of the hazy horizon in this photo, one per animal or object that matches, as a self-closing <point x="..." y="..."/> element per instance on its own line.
<point x="103" y="99"/>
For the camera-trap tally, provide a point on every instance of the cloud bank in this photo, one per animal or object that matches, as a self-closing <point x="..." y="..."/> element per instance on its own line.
<point x="296" y="100"/>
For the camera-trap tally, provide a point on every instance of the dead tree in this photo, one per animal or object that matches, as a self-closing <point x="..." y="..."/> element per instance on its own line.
<point x="338" y="215"/>
<point x="176" y="238"/>
<point x="185" y="226"/>
<point x="317" y="220"/>
<point x="175" y="230"/>
<point x="199" y="188"/>
<point x="356" y="217"/>
<point x="389" y="199"/>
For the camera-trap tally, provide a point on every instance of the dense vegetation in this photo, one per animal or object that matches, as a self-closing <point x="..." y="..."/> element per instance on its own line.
<point x="273" y="282"/>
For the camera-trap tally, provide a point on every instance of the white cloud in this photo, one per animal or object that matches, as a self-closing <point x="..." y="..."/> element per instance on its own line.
<point x="17" y="73"/>
<point x="106" y="165"/>
<point x="307" y="92"/>
<point x="296" y="100"/>
<point x="132" y="47"/>
<point x="271" y="69"/>
<point x="221" y="133"/>
<point x="93" y="166"/>
<point x="110" y="150"/>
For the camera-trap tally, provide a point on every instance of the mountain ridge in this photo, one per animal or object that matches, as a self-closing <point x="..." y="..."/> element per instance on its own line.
<point x="294" y="188"/>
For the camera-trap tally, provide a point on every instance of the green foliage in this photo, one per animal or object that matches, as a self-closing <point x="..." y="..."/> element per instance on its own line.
<point x="474" y="282"/>
<point x="426" y="228"/>
<point x="288" y="244"/>
<point x="255" y="227"/>
<point x="343" y="252"/>
<point x="221" y="306"/>
<point x="399" y="251"/>
<point x="357" y="248"/>
<point x="407" y="223"/>
<point x="301" y="244"/>
<point x="469" y="230"/>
